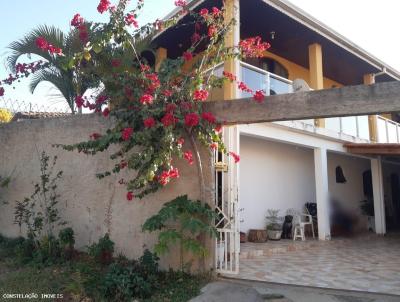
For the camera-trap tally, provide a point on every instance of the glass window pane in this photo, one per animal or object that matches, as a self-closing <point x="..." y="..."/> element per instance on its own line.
<point x="382" y="131"/>
<point x="392" y="131"/>
<point x="277" y="86"/>
<point x="254" y="80"/>
<point x="363" y="127"/>
<point x="349" y="125"/>
<point x="333" y="123"/>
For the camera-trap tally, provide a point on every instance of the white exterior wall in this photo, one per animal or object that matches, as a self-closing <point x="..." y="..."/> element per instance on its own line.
<point x="273" y="176"/>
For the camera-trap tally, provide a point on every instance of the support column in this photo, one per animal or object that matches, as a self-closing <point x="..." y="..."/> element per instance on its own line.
<point x="161" y="55"/>
<point x="232" y="39"/>
<point x="369" y="79"/>
<point x="316" y="73"/>
<point x="379" y="202"/>
<point x="322" y="193"/>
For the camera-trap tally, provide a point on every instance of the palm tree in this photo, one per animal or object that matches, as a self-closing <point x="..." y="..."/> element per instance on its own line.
<point x="66" y="81"/>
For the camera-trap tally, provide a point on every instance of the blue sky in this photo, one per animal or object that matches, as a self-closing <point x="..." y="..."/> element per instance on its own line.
<point x="374" y="26"/>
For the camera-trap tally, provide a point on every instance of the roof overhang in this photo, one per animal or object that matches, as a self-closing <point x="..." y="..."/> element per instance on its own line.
<point x="373" y="149"/>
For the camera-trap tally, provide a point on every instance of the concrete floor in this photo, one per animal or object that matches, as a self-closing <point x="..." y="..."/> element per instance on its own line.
<point x="233" y="290"/>
<point x="366" y="264"/>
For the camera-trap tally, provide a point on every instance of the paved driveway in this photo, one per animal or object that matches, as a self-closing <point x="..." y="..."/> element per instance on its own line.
<point x="370" y="264"/>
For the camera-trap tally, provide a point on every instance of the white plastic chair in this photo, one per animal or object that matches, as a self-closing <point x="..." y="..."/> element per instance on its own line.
<point x="300" y="220"/>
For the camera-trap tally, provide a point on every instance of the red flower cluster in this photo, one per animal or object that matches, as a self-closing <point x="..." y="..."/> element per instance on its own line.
<point x="212" y="30"/>
<point x="231" y="77"/>
<point x="103" y="6"/>
<point x="259" y="96"/>
<point x="95" y="136"/>
<point x="181" y="3"/>
<point x="149" y="122"/>
<point x="129" y="196"/>
<point x="191" y="119"/>
<point x="106" y="112"/>
<point x="115" y="62"/>
<point x="77" y="21"/>
<point x="168" y="93"/>
<point x="154" y="81"/>
<point x="79" y="101"/>
<point x="126" y="133"/>
<point x="243" y="87"/>
<point x="42" y="44"/>
<point x="166" y="176"/>
<point x="168" y="120"/>
<point x="187" y="56"/>
<point x="188" y="155"/>
<point x="131" y="20"/>
<point x="180" y="141"/>
<point x="146" y="99"/>
<point x="204" y="12"/>
<point x="200" y="95"/>
<point x="1" y="91"/>
<point x="209" y="117"/>
<point x="235" y="157"/>
<point x="254" y="47"/>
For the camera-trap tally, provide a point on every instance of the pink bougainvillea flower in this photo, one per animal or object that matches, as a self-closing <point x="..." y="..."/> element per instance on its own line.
<point x="123" y="164"/>
<point x="83" y="33"/>
<point x="187" y="56"/>
<point x="200" y="95"/>
<point x="42" y="43"/>
<point x="77" y="21"/>
<point x="216" y="11"/>
<point x="212" y="30"/>
<point x="115" y="62"/>
<point x="168" y="93"/>
<point x="79" y="101"/>
<point x="170" y="108"/>
<point x="209" y="117"/>
<point x="54" y="50"/>
<point x="191" y="119"/>
<point x="168" y="120"/>
<point x="218" y="128"/>
<point x="180" y="141"/>
<point x="166" y="176"/>
<point x="95" y="136"/>
<point x="259" y="96"/>
<point x="254" y="47"/>
<point x="149" y="122"/>
<point x="204" y="12"/>
<point x="181" y="3"/>
<point x="195" y="38"/>
<point x="235" y="157"/>
<point x="103" y="6"/>
<point x="106" y="112"/>
<point x="126" y="133"/>
<point x="213" y="146"/>
<point x="146" y="99"/>
<point x="188" y="155"/>
<point x="131" y="20"/>
<point x="231" y="77"/>
<point x="130" y="196"/>
<point x="1" y="91"/>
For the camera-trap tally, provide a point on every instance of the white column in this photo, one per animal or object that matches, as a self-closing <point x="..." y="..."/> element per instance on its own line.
<point x="322" y="193"/>
<point x="379" y="202"/>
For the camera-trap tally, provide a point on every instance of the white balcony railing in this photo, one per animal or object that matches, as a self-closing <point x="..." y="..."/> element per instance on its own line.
<point x="388" y="131"/>
<point x="356" y="126"/>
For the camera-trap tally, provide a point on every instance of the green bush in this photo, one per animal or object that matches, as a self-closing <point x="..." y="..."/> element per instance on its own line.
<point x="102" y="251"/>
<point x="67" y="241"/>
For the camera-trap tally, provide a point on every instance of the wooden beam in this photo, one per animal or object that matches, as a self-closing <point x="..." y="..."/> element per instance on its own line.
<point x="346" y="101"/>
<point x="373" y="149"/>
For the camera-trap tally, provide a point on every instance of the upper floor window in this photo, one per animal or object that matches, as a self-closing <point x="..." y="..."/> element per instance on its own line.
<point x="269" y="65"/>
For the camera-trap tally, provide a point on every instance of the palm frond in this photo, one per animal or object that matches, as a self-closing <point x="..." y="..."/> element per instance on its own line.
<point x="53" y="76"/>
<point x="27" y="45"/>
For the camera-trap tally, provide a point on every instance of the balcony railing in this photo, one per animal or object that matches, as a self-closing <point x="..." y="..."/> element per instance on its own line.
<point x="388" y="131"/>
<point x="356" y="126"/>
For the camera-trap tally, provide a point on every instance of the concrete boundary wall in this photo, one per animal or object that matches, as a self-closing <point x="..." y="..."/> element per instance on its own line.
<point x="91" y="206"/>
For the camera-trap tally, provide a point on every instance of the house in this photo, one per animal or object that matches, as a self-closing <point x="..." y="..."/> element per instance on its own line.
<point x="285" y="165"/>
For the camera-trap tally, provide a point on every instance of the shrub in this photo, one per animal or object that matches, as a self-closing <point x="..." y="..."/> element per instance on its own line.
<point x="67" y="241"/>
<point x="102" y="251"/>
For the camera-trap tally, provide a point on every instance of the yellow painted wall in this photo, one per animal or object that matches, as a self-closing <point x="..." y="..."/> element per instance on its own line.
<point x="299" y="72"/>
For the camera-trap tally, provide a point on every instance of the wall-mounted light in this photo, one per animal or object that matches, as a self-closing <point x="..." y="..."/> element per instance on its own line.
<point x="273" y="34"/>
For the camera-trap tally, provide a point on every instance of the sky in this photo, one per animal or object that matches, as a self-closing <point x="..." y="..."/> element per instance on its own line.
<point x="373" y="25"/>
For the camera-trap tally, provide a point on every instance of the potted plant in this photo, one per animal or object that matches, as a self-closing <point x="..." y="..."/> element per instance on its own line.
<point x="367" y="209"/>
<point x="274" y="228"/>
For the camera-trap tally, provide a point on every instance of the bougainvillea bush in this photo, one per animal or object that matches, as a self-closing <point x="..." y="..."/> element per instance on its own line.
<point x="155" y="111"/>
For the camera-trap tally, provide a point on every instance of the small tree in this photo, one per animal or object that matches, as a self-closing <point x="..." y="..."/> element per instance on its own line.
<point x="39" y="213"/>
<point x="182" y="221"/>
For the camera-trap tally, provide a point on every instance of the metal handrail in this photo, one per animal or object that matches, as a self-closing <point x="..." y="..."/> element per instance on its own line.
<point x="388" y="121"/>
